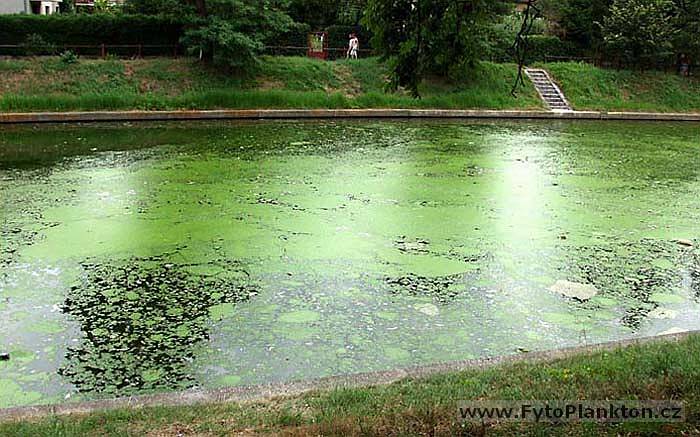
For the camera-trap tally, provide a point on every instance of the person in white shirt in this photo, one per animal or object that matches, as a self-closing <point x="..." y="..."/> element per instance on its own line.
<point x="353" y="47"/>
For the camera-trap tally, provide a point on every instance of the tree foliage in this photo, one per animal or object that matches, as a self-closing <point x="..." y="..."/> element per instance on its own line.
<point x="640" y="29"/>
<point x="578" y="21"/>
<point x="175" y="8"/>
<point x="233" y="32"/>
<point x="320" y="14"/>
<point x="687" y="39"/>
<point x="421" y="37"/>
<point x="316" y="13"/>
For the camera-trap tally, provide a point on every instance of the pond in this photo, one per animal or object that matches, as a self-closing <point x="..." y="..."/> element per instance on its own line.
<point x="143" y="258"/>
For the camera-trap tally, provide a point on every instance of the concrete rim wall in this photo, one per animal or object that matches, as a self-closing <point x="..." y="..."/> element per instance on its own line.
<point x="275" y="390"/>
<point x="256" y="114"/>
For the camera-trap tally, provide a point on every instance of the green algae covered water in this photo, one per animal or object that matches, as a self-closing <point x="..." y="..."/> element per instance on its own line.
<point x="142" y="258"/>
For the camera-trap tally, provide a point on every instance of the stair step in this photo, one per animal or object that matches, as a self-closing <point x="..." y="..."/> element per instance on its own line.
<point x="548" y="91"/>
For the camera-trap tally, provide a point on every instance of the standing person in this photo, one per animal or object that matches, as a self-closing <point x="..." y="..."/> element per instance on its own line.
<point x="353" y="47"/>
<point x="684" y="68"/>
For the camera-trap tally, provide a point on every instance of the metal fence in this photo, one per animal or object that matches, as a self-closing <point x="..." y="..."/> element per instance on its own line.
<point x="333" y="52"/>
<point x="147" y="50"/>
<point x="91" y="50"/>
<point x="666" y="63"/>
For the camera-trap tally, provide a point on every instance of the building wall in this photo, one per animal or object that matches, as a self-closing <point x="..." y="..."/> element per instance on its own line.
<point x="14" y="6"/>
<point x="43" y="7"/>
<point x="48" y="7"/>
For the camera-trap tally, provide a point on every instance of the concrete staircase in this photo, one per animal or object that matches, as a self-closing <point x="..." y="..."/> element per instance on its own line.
<point x="548" y="90"/>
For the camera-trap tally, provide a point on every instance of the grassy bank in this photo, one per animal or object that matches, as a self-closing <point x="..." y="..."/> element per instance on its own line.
<point x="47" y="84"/>
<point x="589" y="87"/>
<point x="427" y="406"/>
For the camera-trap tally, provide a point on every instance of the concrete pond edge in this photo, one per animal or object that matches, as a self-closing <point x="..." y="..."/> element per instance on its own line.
<point x="262" y="114"/>
<point x="264" y="392"/>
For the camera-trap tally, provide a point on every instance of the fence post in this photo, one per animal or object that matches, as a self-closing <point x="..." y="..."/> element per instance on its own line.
<point x="104" y="52"/>
<point x="139" y="55"/>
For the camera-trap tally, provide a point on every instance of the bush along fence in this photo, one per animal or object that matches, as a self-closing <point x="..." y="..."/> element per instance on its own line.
<point x="102" y="35"/>
<point x="83" y="29"/>
<point x="134" y="51"/>
<point x="89" y="35"/>
<point x="134" y="36"/>
<point x="539" y="48"/>
<point x="94" y="51"/>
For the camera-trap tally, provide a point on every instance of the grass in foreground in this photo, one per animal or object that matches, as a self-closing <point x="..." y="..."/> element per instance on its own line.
<point x="660" y="371"/>
<point x="46" y="84"/>
<point x="593" y="88"/>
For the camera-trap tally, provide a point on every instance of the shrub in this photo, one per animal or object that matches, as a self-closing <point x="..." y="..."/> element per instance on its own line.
<point x="68" y="57"/>
<point x="235" y="32"/>
<point x="295" y="36"/>
<point x="539" y="47"/>
<point x="35" y="45"/>
<point x="338" y="36"/>
<point x="61" y="29"/>
<point x="639" y="30"/>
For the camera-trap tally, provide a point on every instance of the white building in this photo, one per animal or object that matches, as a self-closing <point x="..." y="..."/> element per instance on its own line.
<point x="45" y="7"/>
<point x="39" y="7"/>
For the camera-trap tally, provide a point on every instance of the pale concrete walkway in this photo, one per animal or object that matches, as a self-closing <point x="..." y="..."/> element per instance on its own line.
<point x="255" y="114"/>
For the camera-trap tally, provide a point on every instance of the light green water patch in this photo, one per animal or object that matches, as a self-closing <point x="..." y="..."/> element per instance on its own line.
<point x="12" y="394"/>
<point x="302" y="316"/>
<point x="297" y="333"/>
<point x="603" y="301"/>
<point x="229" y="380"/>
<point x="397" y="354"/>
<point x="46" y="327"/>
<point x="427" y="265"/>
<point x="666" y="298"/>
<point x="164" y="256"/>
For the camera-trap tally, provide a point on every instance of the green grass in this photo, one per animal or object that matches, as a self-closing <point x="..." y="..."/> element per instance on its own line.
<point x="660" y="371"/>
<point x="592" y="88"/>
<point x="47" y="84"/>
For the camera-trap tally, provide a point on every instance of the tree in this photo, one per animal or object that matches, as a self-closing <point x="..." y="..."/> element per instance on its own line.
<point x="323" y="13"/>
<point x="232" y="33"/>
<point x="229" y="33"/>
<point x="316" y="13"/>
<point x="105" y="7"/>
<point x="578" y="21"/>
<point x="421" y="37"/>
<point x="350" y="11"/>
<point x="67" y="7"/>
<point x="174" y="8"/>
<point x="640" y="29"/>
<point x="687" y="38"/>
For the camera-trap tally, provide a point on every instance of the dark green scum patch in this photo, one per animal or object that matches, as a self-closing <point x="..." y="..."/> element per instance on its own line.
<point x="142" y="320"/>
<point x="438" y="287"/>
<point x="650" y="274"/>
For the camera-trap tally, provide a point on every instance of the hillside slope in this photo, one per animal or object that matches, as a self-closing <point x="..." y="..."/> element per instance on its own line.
<point x="593" y="88"/>
<point x="47" y="84"/>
